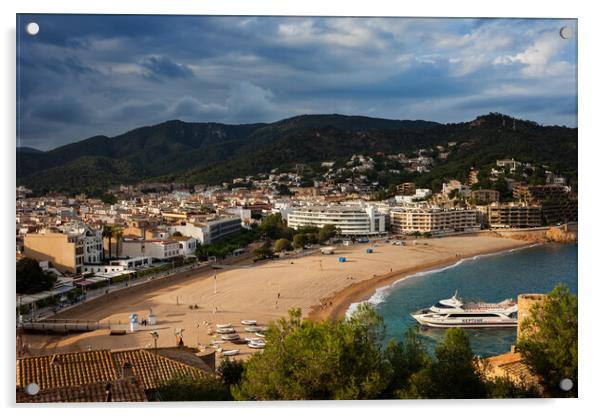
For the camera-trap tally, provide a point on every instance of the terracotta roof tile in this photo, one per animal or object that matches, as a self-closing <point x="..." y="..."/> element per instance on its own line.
<point x="62" y="377"/>
<point x="121" y="391"/>
<point x="153" y="369"/>
<point x="59" y="370"/>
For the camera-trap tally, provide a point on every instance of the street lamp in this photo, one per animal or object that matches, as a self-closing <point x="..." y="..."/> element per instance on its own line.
<point x="155" y="336"/>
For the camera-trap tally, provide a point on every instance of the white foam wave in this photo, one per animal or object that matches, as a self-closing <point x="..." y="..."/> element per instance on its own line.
<point x="381" y="293"/>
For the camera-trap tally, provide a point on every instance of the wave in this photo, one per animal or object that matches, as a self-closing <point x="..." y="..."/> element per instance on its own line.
<point x="381" y="293"/>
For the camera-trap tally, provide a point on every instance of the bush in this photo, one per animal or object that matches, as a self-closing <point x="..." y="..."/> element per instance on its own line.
<point x="187" y="388"/>
<point x="282" y="244"/>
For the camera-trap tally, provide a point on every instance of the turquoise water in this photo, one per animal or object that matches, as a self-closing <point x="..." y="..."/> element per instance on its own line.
<point x="492" y="278"/>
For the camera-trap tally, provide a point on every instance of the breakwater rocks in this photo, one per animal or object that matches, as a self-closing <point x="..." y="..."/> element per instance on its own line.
<point x="560" y="234"/>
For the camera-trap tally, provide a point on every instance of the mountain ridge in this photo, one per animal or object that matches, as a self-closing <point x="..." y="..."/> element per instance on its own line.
<point x="213" y="152"/>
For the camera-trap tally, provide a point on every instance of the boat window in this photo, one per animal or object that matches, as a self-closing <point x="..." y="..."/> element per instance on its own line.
<point x="474" y="315"/>
<point x="440" y="305"/>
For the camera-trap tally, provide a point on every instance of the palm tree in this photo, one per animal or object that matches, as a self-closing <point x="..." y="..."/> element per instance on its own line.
<point x="117" y="233"/>
<point x="108" y="232"/>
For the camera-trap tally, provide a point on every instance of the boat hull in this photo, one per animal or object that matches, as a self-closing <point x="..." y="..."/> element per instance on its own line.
<point x="466" y="323"/>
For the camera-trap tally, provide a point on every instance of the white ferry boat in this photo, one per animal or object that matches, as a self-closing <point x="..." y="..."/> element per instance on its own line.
<point x="449" y="313"/>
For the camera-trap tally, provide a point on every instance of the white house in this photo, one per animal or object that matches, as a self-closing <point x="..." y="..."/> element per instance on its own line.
<point x="156" y="249"/>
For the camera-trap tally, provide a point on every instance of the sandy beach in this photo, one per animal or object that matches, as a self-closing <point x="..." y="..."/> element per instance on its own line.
<point x="318" y="284"/>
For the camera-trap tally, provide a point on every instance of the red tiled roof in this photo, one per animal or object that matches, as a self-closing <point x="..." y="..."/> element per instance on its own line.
<point x="121" y="391"/>
<point x="55" y="372"/>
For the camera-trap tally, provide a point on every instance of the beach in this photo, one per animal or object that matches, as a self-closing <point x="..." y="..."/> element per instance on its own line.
<point x="320" y="285"/>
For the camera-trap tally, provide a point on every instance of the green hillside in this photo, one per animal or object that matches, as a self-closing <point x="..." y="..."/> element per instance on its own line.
<point x="211" y="153"/>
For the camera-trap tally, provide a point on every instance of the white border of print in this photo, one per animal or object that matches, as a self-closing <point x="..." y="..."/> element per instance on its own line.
<point x="590" y="151"/>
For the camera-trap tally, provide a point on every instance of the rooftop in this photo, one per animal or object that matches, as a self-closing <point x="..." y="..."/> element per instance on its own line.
<point x="85" y="374"/>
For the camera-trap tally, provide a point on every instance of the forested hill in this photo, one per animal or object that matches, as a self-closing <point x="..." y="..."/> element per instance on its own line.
<point x="212" y="153"/>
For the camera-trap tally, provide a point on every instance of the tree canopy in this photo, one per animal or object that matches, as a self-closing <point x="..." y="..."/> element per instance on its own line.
<point x="31" y="278"/>
<point x="548" y="341"/>
<point x="348" y="359"/>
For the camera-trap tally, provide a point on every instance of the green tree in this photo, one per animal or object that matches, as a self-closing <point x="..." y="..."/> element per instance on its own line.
<point x="274" y="227"/>
<point x="505" y="388"/>
<point x="282" y="244"/>
<point x="231" y="371"/>
<point x="453" y="375"/>
<point x="548" y="341"/>
<point x="108" y="198"/>
<point x="264" y="252"/>
<point x="299" y="240"/>
<point x="327" y="232"/>
<point x="318" y="360"/>
<point x="188" y="388"/>
<point x="108" y="232"/>
<point x="31" y="278"/>
<point x="406" y="358"/>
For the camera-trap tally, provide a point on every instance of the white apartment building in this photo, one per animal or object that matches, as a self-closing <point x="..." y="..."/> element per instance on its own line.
<point x="453" y="185"/>
<point x="187" y="245"/>
<point x="433" y="220"/>
<point x="210" y="230"/>
<point x="156" y="249"/>
<point x="420" y="193"/>
<point x="350" y="220"/>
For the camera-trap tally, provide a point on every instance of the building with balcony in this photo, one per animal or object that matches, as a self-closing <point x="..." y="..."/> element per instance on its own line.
<point x="514" y="215"/>
<point x="407" y="220"/>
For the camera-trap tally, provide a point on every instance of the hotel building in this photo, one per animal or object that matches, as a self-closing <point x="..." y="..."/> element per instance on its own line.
<point x="349" y="220"/>
<point x="433" y="220"/>
<point x="514" y="215"/>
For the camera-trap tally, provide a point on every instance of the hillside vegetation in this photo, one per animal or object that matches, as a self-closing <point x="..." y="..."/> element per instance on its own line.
<point x="211" y="153"/>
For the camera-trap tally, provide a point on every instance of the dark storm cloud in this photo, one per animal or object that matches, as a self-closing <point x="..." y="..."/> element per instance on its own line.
<point x="84" y="75"/>
<point x="160" y="67"/>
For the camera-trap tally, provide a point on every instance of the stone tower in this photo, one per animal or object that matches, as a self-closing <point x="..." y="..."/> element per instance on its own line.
<point x="525" y="302"/>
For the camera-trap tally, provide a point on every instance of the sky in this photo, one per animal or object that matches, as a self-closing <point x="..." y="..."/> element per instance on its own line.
<point x="87" y="75"/>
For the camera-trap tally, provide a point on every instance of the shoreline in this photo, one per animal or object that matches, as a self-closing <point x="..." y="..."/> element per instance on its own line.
<point x="264" y="291"/>
<point x="335" y="306"/>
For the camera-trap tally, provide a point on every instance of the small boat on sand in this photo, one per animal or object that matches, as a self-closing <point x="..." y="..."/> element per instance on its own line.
<point x="225" y="330"/>
<point x="260" y="334"/>
<point x="229" y="353"/>
<point x="228" y="325"/>
<point x="248" y="322"/>
<point x="250" y="329"/>
<point x="261" y="329"/>
<point x="259" y="344"/>
<point x="230" y="337"/>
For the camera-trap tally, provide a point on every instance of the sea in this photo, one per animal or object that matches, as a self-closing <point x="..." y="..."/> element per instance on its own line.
<point x="490" y="277"/>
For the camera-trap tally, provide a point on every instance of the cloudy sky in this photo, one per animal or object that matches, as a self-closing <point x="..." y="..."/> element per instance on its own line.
<point x="84" y="75"/>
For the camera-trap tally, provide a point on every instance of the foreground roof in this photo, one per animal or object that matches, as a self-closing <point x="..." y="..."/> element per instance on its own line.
<point x="83" y="376"/>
